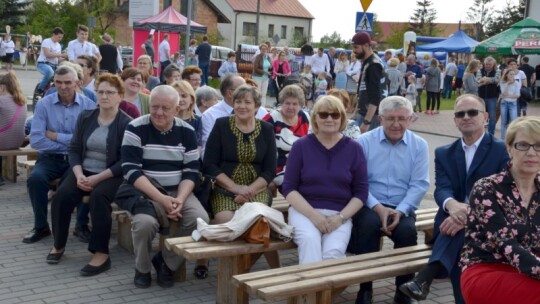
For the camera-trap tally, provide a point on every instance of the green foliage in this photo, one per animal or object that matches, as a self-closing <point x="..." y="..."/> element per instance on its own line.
<point x="334" y="40"/>
<point x="297" y="40"/>
<point x="505" y="17"/>
<point x="43" y="16"/>
<point x="395" y="40"/>
<point x="12" y="13"/>
<point x="479" y="15"/>
<point x="423" y="19"/>
<point x="104" y="12"/>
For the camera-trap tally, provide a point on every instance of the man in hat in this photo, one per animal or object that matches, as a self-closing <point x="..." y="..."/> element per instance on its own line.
<point x="111" y="60"/>
<point x="371" y="89"/>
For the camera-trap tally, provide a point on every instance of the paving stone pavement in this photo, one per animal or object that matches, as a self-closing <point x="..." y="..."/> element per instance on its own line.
<point x="25" y="277"/>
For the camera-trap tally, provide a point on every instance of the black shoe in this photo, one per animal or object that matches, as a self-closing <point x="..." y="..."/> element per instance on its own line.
<point x="36" y="234"/>
<point x="401" y="298"/>
<point x="364" y="297"/>
<point x="164" y="274"/>
<point x="201" y="272"/>
<point x="416" y="290"/>
<point x="142" y="280"/>
<point x="89" y="270"/>
<point x="83" y="233"/>
<point x="54" y="258"/>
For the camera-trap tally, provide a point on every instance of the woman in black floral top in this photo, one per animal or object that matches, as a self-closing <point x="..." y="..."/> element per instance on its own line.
<point x="501" y="256"/>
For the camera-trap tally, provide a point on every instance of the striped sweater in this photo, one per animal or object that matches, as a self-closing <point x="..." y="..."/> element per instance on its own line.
<point x="168" y="157"/>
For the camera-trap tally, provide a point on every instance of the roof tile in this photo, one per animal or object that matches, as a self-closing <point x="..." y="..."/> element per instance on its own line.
<point x="291" y="8"/>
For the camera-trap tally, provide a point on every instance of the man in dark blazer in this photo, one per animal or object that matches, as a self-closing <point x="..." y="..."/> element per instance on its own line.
<point x="457" y="167"/>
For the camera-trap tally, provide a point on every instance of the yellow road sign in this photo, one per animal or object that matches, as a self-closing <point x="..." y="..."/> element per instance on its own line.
<point x="365" y="4"/>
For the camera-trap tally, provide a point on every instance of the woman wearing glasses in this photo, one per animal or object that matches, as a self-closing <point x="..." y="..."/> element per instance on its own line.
<point x="94" y="157"/>
<point x="324" y="197"/>
<point x="90" y="69"/>
<point x="502" y="237"/>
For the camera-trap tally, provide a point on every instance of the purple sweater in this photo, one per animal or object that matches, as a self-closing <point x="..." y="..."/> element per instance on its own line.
<point x="327" y="179"/>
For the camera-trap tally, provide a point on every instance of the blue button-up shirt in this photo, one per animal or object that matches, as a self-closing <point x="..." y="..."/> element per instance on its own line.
<point x="398" y="174"/>
<point x="51" y="114"/>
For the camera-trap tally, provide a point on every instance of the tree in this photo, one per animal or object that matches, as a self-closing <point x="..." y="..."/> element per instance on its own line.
<point x="104" y="13"/>
<point x="423" y="19"/>
<point x="12" y="13"/>
<point x="43" y="16"/>
<point x="479" y="15"/>
<point x="395" y="40"/>
<point x="504" y="18"/>
<point x="334" y="40"/>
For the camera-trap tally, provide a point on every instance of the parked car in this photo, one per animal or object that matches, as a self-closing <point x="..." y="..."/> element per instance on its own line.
<point x="219" y="54"/>
<point x="126" y="53"/>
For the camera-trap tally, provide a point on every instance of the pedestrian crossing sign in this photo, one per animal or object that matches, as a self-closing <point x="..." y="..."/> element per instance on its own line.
<point x="364" y="22"/>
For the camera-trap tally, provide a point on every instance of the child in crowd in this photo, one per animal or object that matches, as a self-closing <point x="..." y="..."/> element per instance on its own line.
<point x="321" y="83"/>
<point x="306" y="79"/>
<point x="411" y="92"/>
<point x="179" y="60"/>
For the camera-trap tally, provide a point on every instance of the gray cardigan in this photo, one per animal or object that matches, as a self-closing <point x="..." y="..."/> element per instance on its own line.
<point x="433" y="79"/>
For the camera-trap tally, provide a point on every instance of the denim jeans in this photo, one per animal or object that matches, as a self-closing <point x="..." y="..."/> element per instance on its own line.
<point x="48" y="73"/>
<point x="508" y="114"/>
<point x="204" y="77"/>
<point x="46" y="169"/>
<point x="491" y="108"/>
<point x="447" y="88"/>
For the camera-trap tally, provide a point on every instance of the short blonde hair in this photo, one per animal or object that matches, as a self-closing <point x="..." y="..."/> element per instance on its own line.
<point x="529" y="125"/>
<point x="329" y="103"/>
<point x="393" y="62"/>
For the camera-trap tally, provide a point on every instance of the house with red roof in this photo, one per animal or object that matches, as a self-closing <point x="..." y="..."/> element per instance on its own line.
<point x="280" y="21"/>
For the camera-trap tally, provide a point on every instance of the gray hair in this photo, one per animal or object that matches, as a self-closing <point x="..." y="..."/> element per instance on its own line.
<point x="64" y="70"/>
<point x="490" y="60"/>
<point x="206" y="93"/>
<point x="393" y="103"/>
<point x="165" y="90"/>
<point x="246" y="89"/>
<point x="76" y="67"/>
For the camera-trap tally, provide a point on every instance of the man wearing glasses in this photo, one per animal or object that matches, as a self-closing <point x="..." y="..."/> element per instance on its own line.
<point x="457" y="167"/>
<point x="398" y="178"/>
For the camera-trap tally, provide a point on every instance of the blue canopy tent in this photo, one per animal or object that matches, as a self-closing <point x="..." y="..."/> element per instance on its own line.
<point x="459" y="42"/>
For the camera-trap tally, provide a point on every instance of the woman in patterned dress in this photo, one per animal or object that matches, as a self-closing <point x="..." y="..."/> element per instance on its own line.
<point x="501" y="254"/>
<point x="241" y="154"/>
<point x="290" y="123"/>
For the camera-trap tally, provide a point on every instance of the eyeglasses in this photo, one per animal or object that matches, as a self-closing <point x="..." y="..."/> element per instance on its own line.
<point x="195" y="79"/>
<point x="82" y="65"/>
<point x="107" y="93"/>
<point x="524" y="146"/>
<point x="470" y="113"/>
<point x="400" y="120"/>
<point x="324" y="115"/>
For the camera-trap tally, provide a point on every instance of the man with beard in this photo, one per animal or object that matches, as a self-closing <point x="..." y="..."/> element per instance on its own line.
<point x="371" y="84"/>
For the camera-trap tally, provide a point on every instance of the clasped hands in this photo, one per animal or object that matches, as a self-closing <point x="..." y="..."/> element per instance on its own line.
<point x="87" y="183"/>
<point x="172" y="206"/>
<point x="457" y="219"/>
<point x="389" y="218"/>
<point x="243" y="194"/>
<point x="326" y="224"/>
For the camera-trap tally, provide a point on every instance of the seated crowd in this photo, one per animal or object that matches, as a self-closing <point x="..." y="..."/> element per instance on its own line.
<point x="148" y="152"/>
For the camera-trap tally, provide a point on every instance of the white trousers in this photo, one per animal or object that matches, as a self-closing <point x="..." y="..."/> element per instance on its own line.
<point x="262" y="82"/>
<point x="313" y="246"/>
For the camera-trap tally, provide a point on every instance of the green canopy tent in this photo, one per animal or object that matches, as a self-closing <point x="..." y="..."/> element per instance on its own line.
<point x="520" y="39"/>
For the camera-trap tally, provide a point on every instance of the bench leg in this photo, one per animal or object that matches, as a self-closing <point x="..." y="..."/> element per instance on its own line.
<point x="9" y="168"/>
<point x="428" y="236"/>
<point x="227" y="267"/>
<point x="321" y="297"/>
<point x="124" y="237"/>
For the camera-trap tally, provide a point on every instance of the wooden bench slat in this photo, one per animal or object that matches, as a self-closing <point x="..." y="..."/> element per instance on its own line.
<point x="345" y="267"/>
<point x="329" y="263"/>
<point x="283" y="291"/>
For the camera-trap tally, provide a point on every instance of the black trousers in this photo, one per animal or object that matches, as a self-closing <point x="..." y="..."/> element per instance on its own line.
<point x="68" y="196"/>
<point x="366" y="235"/>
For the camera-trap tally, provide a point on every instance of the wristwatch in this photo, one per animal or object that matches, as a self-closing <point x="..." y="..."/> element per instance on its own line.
<point x="366" y="122"/>
<point x="343" y="219"/>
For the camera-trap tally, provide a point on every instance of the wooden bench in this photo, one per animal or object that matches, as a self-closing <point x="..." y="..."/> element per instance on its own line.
<point x="233" y="258"/>
<point x="319" y="282"/>
<point x="9" y="161"/>
<point x="236" y="257"/>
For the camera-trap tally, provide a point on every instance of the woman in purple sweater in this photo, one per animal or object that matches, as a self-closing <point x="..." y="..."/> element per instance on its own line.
<point x="325" y="183"/>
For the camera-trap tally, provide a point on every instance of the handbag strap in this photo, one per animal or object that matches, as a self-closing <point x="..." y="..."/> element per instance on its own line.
<point x="12" y="121"/>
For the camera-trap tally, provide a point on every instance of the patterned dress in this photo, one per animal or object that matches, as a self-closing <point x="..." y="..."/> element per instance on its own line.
<point x="244" y="171"/>
<point x="500" y="229"/>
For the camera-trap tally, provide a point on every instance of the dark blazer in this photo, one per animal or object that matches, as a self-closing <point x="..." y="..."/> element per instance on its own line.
<point x="451" y="178"/>
<point x="87" y="122"/>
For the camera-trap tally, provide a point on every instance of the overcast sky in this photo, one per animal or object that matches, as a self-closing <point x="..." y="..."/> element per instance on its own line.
<point x="340" y="15"/>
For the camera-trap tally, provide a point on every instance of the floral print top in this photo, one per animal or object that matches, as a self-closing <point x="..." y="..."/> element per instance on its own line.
<point x="500" y="229"/>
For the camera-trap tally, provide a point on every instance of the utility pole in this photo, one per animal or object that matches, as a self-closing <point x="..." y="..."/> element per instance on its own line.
<point x="257" y="22"/>
<point x="188" y="29"/>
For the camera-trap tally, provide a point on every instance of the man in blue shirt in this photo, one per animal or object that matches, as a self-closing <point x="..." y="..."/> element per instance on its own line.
<point x="54" y="120"/>
<point x="398" y="177"/>
<point x="204" y="53"/>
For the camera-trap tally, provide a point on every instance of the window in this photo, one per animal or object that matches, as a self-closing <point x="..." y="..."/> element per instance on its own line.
<point x="283" y="32"/>
<point x="270" y="30"/>
<point x="166" y="3"/>
<point x="248" y="29"/>
<point x="298" y="31"/>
